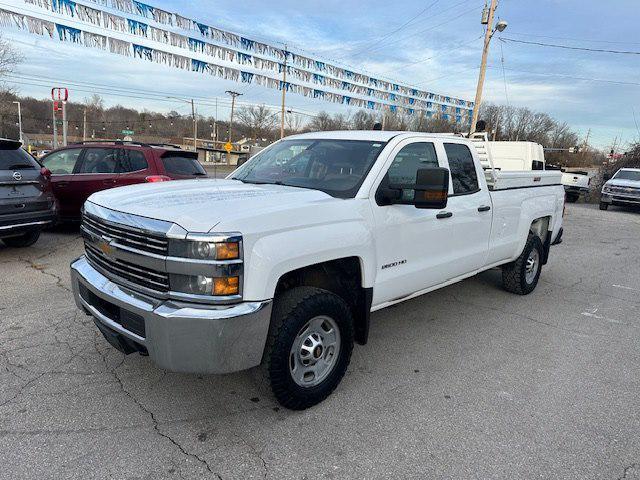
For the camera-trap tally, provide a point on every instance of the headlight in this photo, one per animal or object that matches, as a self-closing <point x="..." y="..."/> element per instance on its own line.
<point x="606" y="188"/>
<point x="203" y="248"/>
<point x="204" y="285"/>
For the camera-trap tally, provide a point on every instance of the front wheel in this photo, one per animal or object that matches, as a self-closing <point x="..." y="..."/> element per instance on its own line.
<point x="24" y="240"/>
<point x="522" y="276"/>
<point x="309" y="346"/>
<point x="604" y="206"/>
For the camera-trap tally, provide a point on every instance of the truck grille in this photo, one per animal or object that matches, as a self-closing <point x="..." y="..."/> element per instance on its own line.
<point x="146" y="277"/>
<point x="127" y="236"/>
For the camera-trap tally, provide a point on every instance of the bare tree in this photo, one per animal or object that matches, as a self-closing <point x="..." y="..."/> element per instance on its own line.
<point x="9" y="58"/>
<point x="363" y="120"/>
<point x="259" y="120"/>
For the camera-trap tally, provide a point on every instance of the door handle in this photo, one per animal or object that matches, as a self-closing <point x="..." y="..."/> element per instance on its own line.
<point x="109" y="182"/>
<point x="442" y="215"/>
<point x="62" y="184"/>
<point x="484" y="208"/>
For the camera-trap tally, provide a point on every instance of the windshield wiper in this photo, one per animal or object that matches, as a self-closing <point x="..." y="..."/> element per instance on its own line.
<point x="259" y="182"/>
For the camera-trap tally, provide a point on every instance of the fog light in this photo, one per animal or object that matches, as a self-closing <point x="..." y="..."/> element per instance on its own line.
<point x="226" y="286"/>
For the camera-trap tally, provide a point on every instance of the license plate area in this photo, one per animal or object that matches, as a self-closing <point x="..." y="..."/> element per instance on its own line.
<point x="128" y="320"/>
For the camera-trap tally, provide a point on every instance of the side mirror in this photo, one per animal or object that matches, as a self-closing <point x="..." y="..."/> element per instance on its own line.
<point x="431" y="190"/>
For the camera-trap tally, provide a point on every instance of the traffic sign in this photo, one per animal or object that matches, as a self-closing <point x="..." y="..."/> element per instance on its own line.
<point x="127" y="132"/>
<point x="228" y="147"/>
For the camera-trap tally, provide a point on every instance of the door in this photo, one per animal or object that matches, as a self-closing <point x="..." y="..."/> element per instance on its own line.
<point x="470" y="205"/>
<point x="412" y="245"/>
<point x="62" y="165"/>
<point x="133" y="167"/>
<point x="97" y="171"/>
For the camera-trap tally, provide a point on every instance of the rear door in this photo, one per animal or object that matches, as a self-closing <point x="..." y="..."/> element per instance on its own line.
<point x="97" y="171"/>
<point x="181" y="165"/>
<point x="470" y="207"/>
<point x="133" y="167"/>
<point x="20" y="180"/>
<point x="62" y="164"/>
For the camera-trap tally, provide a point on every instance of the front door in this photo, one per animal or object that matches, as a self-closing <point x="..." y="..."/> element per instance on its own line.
<point x="413" y="246"/>
<point x="98" y="171"/>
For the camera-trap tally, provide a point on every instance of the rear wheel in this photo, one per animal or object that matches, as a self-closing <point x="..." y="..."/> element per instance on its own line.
<point x="604" y="206"/>
<point x="24" y="240"/>
<point x="309" y="346"/>
<point x="572" y="197"/>
<point x="522" y="276"/>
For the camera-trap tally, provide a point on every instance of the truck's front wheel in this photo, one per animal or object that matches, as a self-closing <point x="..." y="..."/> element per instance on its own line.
<point x="522" y="276"/>
<point x="309" y="346"/>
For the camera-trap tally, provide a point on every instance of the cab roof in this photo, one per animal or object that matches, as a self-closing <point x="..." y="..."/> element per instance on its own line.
<point x="366" y="135"/>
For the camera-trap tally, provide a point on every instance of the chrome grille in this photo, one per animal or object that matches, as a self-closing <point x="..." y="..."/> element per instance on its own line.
<point x="127" y="236"/>
<point x="137" y="274"/>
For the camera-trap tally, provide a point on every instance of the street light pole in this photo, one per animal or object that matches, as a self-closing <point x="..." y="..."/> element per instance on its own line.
<point x="483" y="65"/>
<point x="195" y="126"/>
<point x="284" y="90"/>
<point x="19" y="122"/>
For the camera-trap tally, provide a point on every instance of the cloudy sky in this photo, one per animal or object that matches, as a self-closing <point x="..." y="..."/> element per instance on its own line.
<point x="434" y="44"/>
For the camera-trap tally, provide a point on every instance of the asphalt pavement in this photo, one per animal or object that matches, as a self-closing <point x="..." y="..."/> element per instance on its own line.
<point x="468" y="382"/>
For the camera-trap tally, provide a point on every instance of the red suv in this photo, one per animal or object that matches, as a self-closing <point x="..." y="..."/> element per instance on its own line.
<point x="81" y="169"/>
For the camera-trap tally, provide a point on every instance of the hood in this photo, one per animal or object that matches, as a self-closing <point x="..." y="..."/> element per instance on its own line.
<point x="200" y="205"/>
<point x="622" y="183"/>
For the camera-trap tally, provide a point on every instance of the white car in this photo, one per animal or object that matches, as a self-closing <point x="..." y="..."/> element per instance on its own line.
<point x="283" y="262"/>
<point x="622" y="189"/>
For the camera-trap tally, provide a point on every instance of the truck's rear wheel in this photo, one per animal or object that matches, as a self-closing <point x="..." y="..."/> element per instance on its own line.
<point x="522" y="276"/>
<point x="604" y="206"/>
<point x="572" y="197"/>
<point x="309" y="346"/>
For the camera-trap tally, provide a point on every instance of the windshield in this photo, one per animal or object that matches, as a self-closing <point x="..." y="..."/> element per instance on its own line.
<point x="633" y="175"/>
<point x="336" y="167"/>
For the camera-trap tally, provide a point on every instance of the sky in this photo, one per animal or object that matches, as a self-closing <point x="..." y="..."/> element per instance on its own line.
<point x="434" y="44"/>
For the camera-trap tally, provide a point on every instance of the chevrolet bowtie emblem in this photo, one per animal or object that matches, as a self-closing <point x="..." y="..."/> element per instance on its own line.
<point x="105" y="248"/>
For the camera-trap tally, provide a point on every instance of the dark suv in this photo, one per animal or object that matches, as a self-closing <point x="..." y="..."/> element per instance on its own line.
<point x="81" y="169"/>
<point x="27" y="203"/>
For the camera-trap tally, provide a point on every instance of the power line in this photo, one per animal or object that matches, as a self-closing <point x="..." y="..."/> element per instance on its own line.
<point x="549" y="74"/>
<point x="568" y="47"/>
<point x="587" y="40"/>
<point x="376" y="42"/>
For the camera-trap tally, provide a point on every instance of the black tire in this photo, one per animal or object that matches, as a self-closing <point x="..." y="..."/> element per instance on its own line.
<point x="514" y="274"/>
<point x="572" y="197"/>
<point x="24" y="240"/>
<point x="604" y="206"/>
<point x="291" y="312"/>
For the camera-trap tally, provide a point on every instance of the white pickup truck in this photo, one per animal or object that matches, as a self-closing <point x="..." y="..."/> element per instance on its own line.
<point x="282" y="263"/>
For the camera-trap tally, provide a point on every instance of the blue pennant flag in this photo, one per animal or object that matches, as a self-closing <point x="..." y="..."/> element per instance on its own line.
<point x="247" y="77"/>
<point x="371" y="104"/>
<point x="68" y="34"/>
<point x="199" y="66"/>
<point x="346" y="100"/>
<point x="247" y="44"/>
<point x="196" y="45"/>
<point x="143" y="9"/>
<point x="318" y="78"/>
<point x="318" y="94"/>
<point x="204" y="29"/>
<point x="142" y="52"/>
<point x="137" y="28"/>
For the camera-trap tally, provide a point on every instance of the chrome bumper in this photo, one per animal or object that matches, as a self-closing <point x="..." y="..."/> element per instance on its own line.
<point x="180" y="337"/>
<point x="620" y="198"/>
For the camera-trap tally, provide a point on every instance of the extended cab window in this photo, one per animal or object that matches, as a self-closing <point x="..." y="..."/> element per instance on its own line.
<point x="99" y="160"/>
<point x="132" y="161"/>
<point x="62" y="162"/>
<point x="406" y="164"/>
<point x="463" y="169"/>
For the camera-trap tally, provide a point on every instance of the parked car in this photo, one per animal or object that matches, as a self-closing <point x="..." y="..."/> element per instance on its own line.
<point x="622" y="189"/>
<point x="283" y="262"/>
<point x="79" y="170"/>
<point x="27" y="203"/>
<point x="576" y="183"/>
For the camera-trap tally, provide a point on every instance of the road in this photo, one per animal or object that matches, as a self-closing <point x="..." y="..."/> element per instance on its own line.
<point x="463" y="383"/>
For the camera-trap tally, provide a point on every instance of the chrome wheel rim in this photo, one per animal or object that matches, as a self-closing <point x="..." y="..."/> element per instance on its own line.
<point x="315" y="351"/>
<point x="531" y="267"/>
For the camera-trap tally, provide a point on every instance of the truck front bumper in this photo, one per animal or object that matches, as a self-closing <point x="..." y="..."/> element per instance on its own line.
<point x="179" y="337"/>
<point x="620" y="199"/>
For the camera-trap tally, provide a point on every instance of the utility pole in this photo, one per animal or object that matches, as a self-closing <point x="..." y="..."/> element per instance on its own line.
<point x="500" y="26"/>
<point x="215" y="125"/>
<point x="84" y="125"/>
<point x="65" y="124"/>
<point x="586" y="140"/>
<point x="19" y="122"/>
<point x="233" y="104"/>
<point x="284" y="89"/>
<point x="195" y="126"/>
